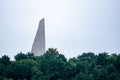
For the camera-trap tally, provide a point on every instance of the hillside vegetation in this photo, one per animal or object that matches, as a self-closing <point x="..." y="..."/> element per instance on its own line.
<point x="54" y="66"/>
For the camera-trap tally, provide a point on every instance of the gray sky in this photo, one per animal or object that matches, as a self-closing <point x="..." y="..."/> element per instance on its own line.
<point x="72" y="26"/>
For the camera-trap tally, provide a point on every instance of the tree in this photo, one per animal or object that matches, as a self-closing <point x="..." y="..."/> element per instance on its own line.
<point x="30" y="55"/>
<point x="20" y="56"/>
<point x="102" y="59"/>
<point x="5" y="60"/>
<point x="117" y="64"/>
<point x="52" y="64"/>
<point x="23" y="69"/>
<point x="87" y="57"/>
<point x="1" y="69"/>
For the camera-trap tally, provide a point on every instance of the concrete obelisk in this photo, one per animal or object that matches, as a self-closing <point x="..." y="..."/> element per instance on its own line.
<point x="38" y="47"/>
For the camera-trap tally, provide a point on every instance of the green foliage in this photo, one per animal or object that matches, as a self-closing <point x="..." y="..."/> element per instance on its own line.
<point x="54" y="66"/>
<point x="22" y="69"/>
<point x="102" y="59"/>
<point x="21" y="56"/>
<point x="5" y="60"/>
<point x="1" y="69"/>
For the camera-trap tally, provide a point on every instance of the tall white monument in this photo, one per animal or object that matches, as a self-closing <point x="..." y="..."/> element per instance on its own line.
<point x="38" y="47"/>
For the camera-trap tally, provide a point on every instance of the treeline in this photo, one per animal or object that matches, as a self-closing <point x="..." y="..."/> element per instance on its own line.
<point x="54" y="66"/>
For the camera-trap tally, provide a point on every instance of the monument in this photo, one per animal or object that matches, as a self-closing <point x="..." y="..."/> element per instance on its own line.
<point x="38" y="47"/>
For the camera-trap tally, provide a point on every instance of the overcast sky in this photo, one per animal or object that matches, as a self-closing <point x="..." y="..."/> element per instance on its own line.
<point x="72" y="26"/>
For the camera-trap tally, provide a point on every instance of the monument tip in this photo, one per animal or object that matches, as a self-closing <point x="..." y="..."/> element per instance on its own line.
<point x="42" y="19"/>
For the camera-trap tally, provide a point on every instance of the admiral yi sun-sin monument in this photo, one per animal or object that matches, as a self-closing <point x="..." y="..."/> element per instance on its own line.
<point x="38" y="47"/>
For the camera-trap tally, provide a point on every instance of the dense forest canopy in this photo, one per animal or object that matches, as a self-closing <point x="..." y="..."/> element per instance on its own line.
<point x="54" y="66"/>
